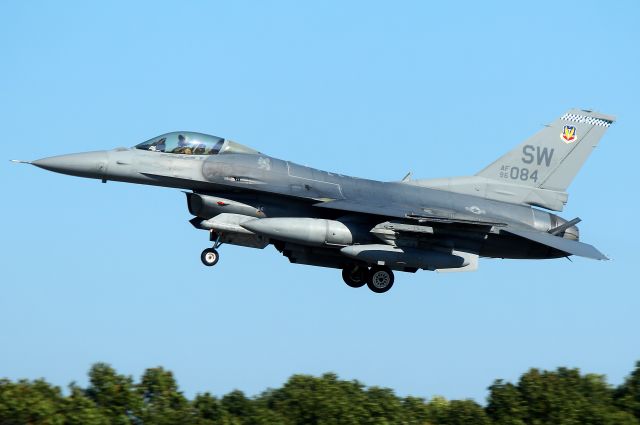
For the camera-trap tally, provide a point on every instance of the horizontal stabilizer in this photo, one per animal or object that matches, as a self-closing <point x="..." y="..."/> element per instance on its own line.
<point x="566" y="245"/>
<point x="563" y="227"/>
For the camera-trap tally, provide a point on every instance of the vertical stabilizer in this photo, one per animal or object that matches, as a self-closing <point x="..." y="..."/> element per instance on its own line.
<point x="551" y="158"/>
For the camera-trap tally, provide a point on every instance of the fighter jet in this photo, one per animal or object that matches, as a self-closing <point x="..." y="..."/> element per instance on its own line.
<point x="366" y="228"/>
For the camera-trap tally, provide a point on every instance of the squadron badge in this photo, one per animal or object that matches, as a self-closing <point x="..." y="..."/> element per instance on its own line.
<point x="568" y="134"/>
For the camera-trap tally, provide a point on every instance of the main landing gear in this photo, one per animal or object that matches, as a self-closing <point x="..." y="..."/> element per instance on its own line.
<point x="356" y="276"/>
<point x="210" y="256"/>
<point x="379" y="278"/>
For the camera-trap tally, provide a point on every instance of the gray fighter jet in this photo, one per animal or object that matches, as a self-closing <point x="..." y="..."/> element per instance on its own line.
<point x="367" y="228"/>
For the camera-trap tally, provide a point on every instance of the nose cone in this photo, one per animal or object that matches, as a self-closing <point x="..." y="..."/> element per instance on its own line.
<point x="86" y="164"/>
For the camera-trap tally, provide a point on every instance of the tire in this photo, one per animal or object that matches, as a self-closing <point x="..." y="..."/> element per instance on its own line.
<point x="355" y="277"/>
<point x="209" y="257"/>
<point x="380" y="279"/>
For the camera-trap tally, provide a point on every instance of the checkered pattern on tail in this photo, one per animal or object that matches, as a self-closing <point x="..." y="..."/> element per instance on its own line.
<point x="584" y="119"/>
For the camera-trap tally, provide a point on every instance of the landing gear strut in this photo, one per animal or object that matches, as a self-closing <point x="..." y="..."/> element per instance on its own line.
<point x="210" y="256"/>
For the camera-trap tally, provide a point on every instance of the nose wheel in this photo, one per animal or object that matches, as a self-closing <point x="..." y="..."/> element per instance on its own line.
<point x="210" y="256"/>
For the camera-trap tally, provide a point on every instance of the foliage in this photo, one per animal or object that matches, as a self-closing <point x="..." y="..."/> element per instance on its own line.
<point x="560" y="397"/>
<point x="627" y="396"/>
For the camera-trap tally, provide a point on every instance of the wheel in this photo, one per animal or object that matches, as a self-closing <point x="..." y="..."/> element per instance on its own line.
<point x="380" y="279"/>
<point x="355" y="277"/>
<point x="209" y="257"/>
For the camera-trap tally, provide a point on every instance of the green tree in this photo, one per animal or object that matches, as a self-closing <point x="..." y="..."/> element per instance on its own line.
<point x="383" y="406"/>
<point x="326" y="400"/>
<point x="415" y="411"/>
<point x="81" y="410"/>
<point x="456" y="412"/>
<point x="627" y="396"/>
<point x="505" y="405"/>
<point x="561" y="397"/>
<point x="208" y="409"/>
<point x="463" y="412"/>
<point x="35" y="402"/>
<point x="162" y="402"/>
<point x="437" y="410"/>
<point x="115" y="395"/>
<point x="237" y="404"/>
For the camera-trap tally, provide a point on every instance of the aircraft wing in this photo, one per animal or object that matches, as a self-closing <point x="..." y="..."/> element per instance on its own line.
<point x="426" y="215"/>
<point x="567" y="245"/>
<point x="422" y="215"/>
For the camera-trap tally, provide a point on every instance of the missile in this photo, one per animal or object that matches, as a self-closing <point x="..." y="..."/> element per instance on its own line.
<point x="207" y="206"/>
<point x="223" y="223"/>
<point x="303" y="230"/>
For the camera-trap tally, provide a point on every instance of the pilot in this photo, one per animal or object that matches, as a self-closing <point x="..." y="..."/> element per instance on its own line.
<point x="158" y="145"/>
<point x="200" y="149"/>
<point x="183" y="147"/>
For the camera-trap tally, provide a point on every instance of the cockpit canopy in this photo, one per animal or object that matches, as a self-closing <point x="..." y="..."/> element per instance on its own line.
<point x="191" y="143"/>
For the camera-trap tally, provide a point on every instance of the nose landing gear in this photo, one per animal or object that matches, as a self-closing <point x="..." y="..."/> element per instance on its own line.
<point x="210" y="256"/>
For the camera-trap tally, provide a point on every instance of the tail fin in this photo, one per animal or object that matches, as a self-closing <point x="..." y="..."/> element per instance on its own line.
<point x="551" y="158"/>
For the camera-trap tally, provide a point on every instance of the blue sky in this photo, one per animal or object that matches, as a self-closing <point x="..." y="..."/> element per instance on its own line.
<point x="111" y="272"/>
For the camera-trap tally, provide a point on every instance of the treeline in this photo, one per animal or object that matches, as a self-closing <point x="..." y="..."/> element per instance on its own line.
<point x="560" y="397"/>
